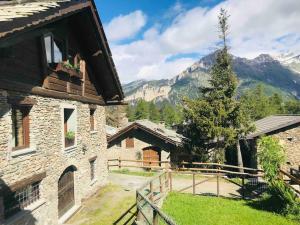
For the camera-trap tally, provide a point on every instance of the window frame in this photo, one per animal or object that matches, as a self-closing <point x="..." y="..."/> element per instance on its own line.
<point x="92" y="169"/>
<point x="63" y="128"/>
<point x="52" y="56"/>
<point x="25" y="110"/>
<point x="130" y="142"/>
<point x="92" y="120"/>
<point x="22" y="198"/>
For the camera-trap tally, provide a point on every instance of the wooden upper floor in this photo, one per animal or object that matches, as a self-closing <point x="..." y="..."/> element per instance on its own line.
<point x="61" y="54"/>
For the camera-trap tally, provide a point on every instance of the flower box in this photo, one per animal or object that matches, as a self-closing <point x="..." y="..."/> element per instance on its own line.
<point x="61" y="68"/>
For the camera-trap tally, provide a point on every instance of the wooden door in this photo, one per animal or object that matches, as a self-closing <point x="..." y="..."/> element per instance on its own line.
<point x="66" y="198"/>
<point x="151" y="154"/>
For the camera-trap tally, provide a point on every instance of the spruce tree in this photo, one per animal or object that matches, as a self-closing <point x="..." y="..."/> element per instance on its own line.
<point x="216" y="120"/>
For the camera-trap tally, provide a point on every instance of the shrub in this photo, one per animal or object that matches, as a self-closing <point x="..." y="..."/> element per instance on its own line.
<point x="271" y="157"/>
<point x="70" y="135"/>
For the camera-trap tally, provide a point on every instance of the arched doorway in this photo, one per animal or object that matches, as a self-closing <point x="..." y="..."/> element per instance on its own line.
<point x="66" y="198"/>
<point x="151" y="154"/>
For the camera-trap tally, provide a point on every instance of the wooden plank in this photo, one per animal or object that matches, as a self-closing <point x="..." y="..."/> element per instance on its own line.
<point x="25" y="88"/>
<point x="57" y="87"/>
<point x="17" y="100"/>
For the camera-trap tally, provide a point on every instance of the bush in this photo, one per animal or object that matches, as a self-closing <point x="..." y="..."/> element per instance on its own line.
<point x="271" y="157"/>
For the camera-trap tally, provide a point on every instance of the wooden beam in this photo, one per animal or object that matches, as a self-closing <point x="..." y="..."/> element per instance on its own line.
<point x="17" y="100"/>
<point x="25" y="88"/>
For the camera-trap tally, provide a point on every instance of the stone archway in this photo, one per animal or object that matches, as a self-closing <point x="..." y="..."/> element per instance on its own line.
<point x="66" y="195"/>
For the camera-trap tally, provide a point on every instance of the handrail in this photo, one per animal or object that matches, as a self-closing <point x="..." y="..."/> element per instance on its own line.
<point x="221" y="165"/>
<point x="291" y="177"/>
<point x="132" y="160"/>
<point x="156" y="210"/>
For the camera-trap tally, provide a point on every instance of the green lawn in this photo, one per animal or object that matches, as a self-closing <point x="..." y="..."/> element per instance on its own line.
<point x="187" y="209"/>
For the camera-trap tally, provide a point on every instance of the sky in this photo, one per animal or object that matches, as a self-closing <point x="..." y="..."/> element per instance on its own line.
<point x="158" y="39"/>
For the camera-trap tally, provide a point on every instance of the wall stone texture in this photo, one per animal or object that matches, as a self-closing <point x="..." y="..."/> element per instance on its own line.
<point x="48" y="154"/>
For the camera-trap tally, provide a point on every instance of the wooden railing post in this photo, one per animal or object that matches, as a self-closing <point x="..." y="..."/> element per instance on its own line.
<point x="139" y="215"/>
<point x="243" y="187"/>
<point x="151" y="191"/>
<point x="194" y="184"/>
<point x="218" y="185"/>
<point x="170" y="178"/>
<point x="161" y="185"/>
<point x="167" y="180"/>
<point x="155" y="217"/>
<point x="119" y="160"/>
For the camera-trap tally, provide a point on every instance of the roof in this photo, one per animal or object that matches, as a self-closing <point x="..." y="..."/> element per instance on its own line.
<point x="157" y="130"/>
<point x="110" y="130"/>
<point x="16" y="19"/>
<point x="273" y="123"/>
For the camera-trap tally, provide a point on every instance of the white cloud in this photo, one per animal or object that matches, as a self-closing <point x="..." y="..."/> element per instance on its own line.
<point x="255" y="27"/>
<point x="125" y="26"/>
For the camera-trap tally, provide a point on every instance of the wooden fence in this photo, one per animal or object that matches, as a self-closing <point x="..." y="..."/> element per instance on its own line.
<point x="147" y="199"/>
<point x="144" y="164"/>
<point x="293" y="179"/>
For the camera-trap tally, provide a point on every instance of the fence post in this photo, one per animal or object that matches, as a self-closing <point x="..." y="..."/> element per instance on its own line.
<point x="182" y="163"/>
<point x="194" y="187"/>
<point x="155" y="217"/>
<point x="139" y="214"/>
<point x="151" y="191"/>
<point x="243" y="187"/>
<point x="160" y="185"/>
<point x="119" y="162"/>
<point x="167" y="180"/>
<point x="170" y="178"/>
<point x="218" y="185"/>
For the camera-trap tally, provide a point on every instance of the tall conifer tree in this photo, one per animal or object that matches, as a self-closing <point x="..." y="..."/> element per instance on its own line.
<point x="216" y="120"/>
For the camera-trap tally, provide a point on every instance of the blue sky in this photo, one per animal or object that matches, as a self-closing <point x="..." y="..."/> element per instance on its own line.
<point x="157" y="39"/>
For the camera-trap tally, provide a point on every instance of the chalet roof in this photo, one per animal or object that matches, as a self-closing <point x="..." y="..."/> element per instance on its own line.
<point x="110" y="130"/>
<point x="155" y="129"/>
<point x="18" y="18"/>
<point x="273" y="123"/>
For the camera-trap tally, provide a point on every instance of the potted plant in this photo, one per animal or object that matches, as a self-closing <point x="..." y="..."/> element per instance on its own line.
<point x="68" y="68"/>
<point x="69" y="138"/>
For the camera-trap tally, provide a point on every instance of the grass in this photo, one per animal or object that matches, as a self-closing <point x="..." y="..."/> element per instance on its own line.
<point x="105" y="207"/>
<point x="134" y="173"/>
<point x="187" y="209"/>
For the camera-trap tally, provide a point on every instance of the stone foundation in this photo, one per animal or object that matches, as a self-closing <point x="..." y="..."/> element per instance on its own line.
<point x="48" y="154"/>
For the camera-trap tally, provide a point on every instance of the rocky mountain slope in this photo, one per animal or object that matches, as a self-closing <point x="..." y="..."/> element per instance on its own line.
<point x="278" y="74"/>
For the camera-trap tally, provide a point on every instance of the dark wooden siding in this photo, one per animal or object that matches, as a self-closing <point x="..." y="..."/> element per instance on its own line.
<point x="22" y="62"/>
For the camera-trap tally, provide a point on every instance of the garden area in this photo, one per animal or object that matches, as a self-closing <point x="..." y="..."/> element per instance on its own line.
<point x="187" y="209"/>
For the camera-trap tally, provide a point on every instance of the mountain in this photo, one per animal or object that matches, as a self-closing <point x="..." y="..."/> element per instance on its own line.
<point x="279" y="74"/>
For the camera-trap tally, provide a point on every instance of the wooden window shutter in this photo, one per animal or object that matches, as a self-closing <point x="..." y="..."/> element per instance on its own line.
<point x="130" y="142"/>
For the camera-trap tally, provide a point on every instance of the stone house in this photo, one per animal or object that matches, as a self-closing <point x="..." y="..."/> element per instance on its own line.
<point x="56" y="77"/>
<point x="144" y="140"/>
<point x="284" y="127"/>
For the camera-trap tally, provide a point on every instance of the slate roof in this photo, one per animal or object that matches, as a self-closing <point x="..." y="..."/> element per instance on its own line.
<point x="272" y="123"/>
<point x="156" y="129"/>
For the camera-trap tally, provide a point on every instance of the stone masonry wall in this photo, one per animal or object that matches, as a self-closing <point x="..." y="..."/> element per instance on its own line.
<point x="47" y="153"/>
<point x="290" y="140"/>
<point x="122" y="152"/>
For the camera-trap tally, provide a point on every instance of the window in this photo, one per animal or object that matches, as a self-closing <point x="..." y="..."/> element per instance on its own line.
<point x="130" y="142"/>
<point x="92" y="119"/>
<point x="55" y="49"/>
<point x="93" y="168"/>
<point x="20" y="127"/>
<point x="69" y="127"/>
<point x="20" y="199"/>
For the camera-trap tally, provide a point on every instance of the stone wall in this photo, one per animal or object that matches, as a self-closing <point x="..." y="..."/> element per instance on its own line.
<point x="290" y="140"/>
<point x="135" y="153"/>
<point x="48" y="154"/>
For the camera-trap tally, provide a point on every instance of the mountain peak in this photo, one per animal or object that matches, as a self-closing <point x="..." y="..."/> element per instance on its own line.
<point x="262" y="58"/>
